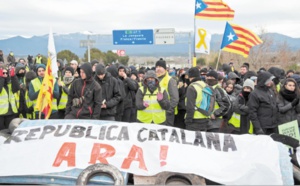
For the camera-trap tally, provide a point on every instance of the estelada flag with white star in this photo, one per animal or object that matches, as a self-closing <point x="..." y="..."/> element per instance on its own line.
<point x="239" y="40"/>
<point x="213" y="10"/>
<point x="202" y="41"/>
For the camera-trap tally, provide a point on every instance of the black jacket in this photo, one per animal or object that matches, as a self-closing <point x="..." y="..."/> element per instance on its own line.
<point x="262" y="104"/>
<point x="110" y="93"/>
<point x="91" y="90"/>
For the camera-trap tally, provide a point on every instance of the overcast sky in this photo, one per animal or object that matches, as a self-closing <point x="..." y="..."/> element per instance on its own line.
<point x="35" y="17"/>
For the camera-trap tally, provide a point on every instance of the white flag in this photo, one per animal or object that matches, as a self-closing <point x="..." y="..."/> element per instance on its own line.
<point x="52" y="54"/>
<point x="202" y="41"/>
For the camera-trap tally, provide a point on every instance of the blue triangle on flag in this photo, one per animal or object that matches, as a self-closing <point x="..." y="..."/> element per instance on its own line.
<point x="229" y="36"/>
<point x="199" y="6"/>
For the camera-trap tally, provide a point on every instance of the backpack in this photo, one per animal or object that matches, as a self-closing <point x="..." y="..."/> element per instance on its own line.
<point x="207" y="104"/>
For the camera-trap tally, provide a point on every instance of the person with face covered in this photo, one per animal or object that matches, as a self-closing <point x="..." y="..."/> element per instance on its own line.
<point x="262" y="105"/>
<point x="288" y="101"/>
<point x="34" y="90"/>
<point x="152" y="101"/>
<point x="85" y="95"/>
<point x="8" y="86"/>
<point x="20" y="95"/>
<point x="222" y="103"/>
<point x="64" y="87"/>
<point x="29" y="111"/>
<point x="239" y="122"/>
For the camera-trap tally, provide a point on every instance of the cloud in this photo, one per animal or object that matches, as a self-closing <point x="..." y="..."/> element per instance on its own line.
<point x="35" y="17"/>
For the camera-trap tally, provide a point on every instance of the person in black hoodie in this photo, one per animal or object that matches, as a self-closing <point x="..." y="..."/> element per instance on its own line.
<point x="262" y="105"/>
<point x="111" y="95"/>
<point x="129" y="85"/>
<point x="120" y="107"/>
<point x="85" y="95"/>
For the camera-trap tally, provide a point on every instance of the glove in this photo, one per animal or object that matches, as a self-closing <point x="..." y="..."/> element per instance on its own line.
<point x="12" y="72"/>
<point x="160" y="96"/>
<point x="77" y="101"/>
<point x="295" y="102"/>
<point x="259" y="131"/>
<point x="145" y="104"/>
<point x="1" y="72"/>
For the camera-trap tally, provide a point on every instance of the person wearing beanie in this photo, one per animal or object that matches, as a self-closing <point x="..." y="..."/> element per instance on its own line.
<point x="8" y="87"/>
<point x="64" y="87"/>
<point x="111" y="92"/>
<point x="169" y="84"/>
<point x="195" y="120"/>
<point x="262" y="105"/>
<point x="239" y="122"/>
<point x="34" y="90"/>
<point x="130" y="87"/>
<point x="74" y="65"/>
<point x="152" y="101"/>
<point x="85" y="95"/>
<point x="288" y="102"/>
<point x="222" y="103"/>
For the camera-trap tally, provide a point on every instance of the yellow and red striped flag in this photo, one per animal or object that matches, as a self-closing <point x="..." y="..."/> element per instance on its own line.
<point x="239" y="40"/>
<point x="213" y="10"/>
<point x="44" y="100"/>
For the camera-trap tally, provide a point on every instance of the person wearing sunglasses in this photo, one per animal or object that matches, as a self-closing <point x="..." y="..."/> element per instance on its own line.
<point x="8" y="86"/>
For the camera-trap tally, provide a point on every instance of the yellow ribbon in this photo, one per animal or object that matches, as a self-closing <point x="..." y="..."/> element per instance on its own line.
<point x="202" y="36"/>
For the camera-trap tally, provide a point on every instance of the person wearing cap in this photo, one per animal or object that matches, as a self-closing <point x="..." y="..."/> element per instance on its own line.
<point x="8" y="87"/>
<point x="194" y="119"/>
<point x="74" y="65"/>
<point x="262" y="105"/>
<point x="239" y="122"/>
<point x="288" y="102"/>
<point x="34" y="90"/>
<point x="170" y="85"/>
<point x="222" y="103"/>
<point x="152" y="101"/>
<point x="111" y="94"/>
<point x="64" y="87"/>
<point x="85" y="95"/>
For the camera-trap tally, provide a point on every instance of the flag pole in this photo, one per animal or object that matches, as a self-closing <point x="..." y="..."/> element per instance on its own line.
<point x="218" y="59"/>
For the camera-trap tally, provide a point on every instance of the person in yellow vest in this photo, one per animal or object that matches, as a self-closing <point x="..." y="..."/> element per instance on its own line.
<point x="38" y="59"/>
<point x="222" y="103"/>
<point x="64" y="87"/>
<point x="8" y="86"/>
<point x="34" y="90"/>
<point x="194" y="119"/>
<point x="239" y="121"/>
<point x="170" y="85"/>
<point x="20" y="95"/>
<point x="152" y="101"/>
<point x="30" y="114"/>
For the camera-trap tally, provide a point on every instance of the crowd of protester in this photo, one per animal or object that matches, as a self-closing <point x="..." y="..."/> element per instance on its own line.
<point x="197" y="98"/>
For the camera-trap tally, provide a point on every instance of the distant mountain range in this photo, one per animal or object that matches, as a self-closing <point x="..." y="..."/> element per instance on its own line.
<point x="38" y="44"/>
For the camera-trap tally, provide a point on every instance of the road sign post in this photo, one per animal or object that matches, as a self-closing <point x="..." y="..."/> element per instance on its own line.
<point x="133" y="37"/>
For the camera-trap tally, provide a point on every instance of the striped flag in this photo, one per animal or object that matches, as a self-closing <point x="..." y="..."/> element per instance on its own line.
<point x="239" y="40"/>
<point x="213" y="10"/>
<point x="44" y="100"/>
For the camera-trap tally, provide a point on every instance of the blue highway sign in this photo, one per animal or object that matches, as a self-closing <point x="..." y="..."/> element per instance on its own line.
<point x="133" y="37"/>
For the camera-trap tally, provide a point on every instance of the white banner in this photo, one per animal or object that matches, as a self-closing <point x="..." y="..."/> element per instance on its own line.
<point x="202" y="41"/>
<point x="45" y="146"/>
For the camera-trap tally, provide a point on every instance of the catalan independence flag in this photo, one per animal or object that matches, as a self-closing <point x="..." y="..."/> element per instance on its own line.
<point x="239" y="40"/>
<point x="44" y="100"/>
<point x="213" y="10"/>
